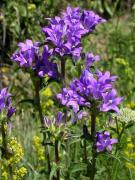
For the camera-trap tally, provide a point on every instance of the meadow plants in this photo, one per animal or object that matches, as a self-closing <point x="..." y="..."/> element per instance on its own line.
<point x="81" y="103"/>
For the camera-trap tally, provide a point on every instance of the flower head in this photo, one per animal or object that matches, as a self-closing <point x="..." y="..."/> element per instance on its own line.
<point x="71" y="99"/>
<point x="89" y="20"/>
<point x="104" y="141"/>
<point x="28" y="57"/>
<point x="65" y="32"/>
<point x="46" y="67"/>
<point x="91" y="88"/>
<point x="91" y="59"/>
<point x="26" y="54"/>
<point x="110" y="101"/>
<point x="5" y="102"/>
<point x="49" y="122"/>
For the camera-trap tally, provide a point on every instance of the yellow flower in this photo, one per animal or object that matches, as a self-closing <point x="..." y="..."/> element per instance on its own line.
<point x="31" y="6"/>
<point x="36" y="140"/>
<point x="4" y="175"/>
<point x="48" y="104"/>
<point x="19" y="173"/>
<point x="17" y="151"/>
<point x="47" y="92"/>
<point x="130" y="145"/>
<point x="130" y="165"/>
<point x="39" y="148"/>
<point x="131" y="105"/>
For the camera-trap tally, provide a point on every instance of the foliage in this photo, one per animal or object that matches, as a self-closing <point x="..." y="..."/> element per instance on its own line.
<point x="114" y="41"/>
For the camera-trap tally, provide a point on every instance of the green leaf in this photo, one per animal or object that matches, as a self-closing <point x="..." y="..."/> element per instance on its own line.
<point x="77" y="167"/>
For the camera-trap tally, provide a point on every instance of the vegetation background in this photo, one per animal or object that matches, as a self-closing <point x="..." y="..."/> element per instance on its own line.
<point x="114" y="41"/>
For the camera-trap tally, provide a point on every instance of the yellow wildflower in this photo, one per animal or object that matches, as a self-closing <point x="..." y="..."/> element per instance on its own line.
<point x="19" y="173"/>
<point x="39" y="148"/>
<point x="4" y="176"/>
<point x="31" y="6"/>
<point x="17" y="151"/>
<point x="130" y="165"/>
<point x="47" y="92"/>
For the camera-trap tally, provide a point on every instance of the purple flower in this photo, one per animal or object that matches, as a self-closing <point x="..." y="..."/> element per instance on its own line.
<point x="90" y="86"/>
<point x="104" y="142"/>
<point x="28" y="57"/>
<point x="110" y="101"/>
<point x="5" y="102"/>
<point x="11" y="111"/>
<point x="65" y="32"/>
<point x="70" y="98"/>
<point x="63" y="36"/>
<point x="4" y="95"/>
<point x="49" y="122"/>
<point x="27" y="53"/>
<point x="82" y="114"/>
<point x="90" y="89"/>
<point x="91" y="59"/>
<point x="89" y="20"/>
<point x="46" y="67"/>
<point x="59" y="118"/>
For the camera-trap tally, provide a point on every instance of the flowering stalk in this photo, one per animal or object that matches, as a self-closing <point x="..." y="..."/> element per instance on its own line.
<point x="5" y="152"/>
<point x="4" y="139"/>
<point x="93" y="136"/>
<point x="63" y="64"/>
<point x="36" y="83"/>
<point x="57" y="159"/>
<point x="7" y="111"/>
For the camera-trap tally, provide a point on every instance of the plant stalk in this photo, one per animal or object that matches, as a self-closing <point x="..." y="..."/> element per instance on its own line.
<point x="93" y="136"/>
<point x="36" y="83"/>
<point x="5" y="153"/>
<point x="63" y="64"/>
<point x="57" y="159"/>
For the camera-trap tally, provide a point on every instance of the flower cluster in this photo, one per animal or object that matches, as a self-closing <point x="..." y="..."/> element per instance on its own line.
<point x="54" y="122"/>
<point x="91" y="89"/>
<point x="5" y="102"/>
<point x="38" y="148"/>
<point x="14" y="158"/>
<point x="126" y="116"/>
<point x="65" y="32"/>
<point x="28" y="57"/>
<point x="56" y="127"/>
<point x="104" y="141"/>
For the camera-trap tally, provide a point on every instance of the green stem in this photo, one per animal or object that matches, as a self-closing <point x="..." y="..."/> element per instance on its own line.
<point x="57" y="159"/>
<point x="120" y="133"/>
<point x="4" y="139"/>
<point x="93" y="136"/>
<point x="85" y="151"/>
<point x="63" y="64"/>
<point x="5" y="153"/>
<point x="36" y="83"/>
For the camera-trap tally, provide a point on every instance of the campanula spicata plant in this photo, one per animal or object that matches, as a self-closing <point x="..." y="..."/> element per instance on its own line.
<point x="90" y="96"/>
<point x="11" y="150"/>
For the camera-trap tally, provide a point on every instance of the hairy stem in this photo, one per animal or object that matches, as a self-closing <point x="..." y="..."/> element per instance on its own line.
<point x="63" y="64"/>
<point x="4" y="139"/>
<point x="93" y="136"/>
<point x="57" y="160"/>
<point x="36" y="83"/>
<point x="5" y="152"/>
<point x="85" y="151"/>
